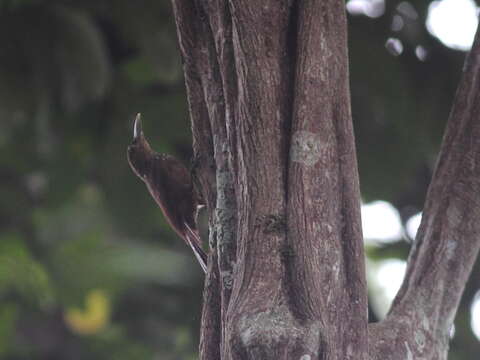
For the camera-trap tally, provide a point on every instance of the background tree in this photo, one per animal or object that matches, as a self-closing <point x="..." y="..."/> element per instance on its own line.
<point x="73" y="76"/>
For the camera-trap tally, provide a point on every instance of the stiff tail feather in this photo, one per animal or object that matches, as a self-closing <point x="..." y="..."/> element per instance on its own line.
<point x="194" y="241"/>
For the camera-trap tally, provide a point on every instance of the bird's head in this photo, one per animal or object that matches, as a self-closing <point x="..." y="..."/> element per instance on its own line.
<point x="139" y="153"/>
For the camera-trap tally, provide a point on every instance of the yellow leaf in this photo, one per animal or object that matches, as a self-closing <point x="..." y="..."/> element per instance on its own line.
<point x="93" y="318"/>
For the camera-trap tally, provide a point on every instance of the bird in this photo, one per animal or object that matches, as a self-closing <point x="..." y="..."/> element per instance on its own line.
<point x="170" y="184"/>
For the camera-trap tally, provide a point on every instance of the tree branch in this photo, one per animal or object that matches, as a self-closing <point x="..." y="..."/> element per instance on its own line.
<point x="217" y="85"/>
<point x="192" y="40"/>
<point x="324" y="199"/>
<point x="448" y="239"/>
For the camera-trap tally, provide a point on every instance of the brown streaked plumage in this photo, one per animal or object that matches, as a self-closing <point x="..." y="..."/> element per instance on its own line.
<point x="170" y="184"/>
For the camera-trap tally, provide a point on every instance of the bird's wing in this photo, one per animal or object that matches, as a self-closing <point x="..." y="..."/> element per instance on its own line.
<point x="194" y="241"/>
<point x="179" y="174"/>
<point x="177" y="171"/>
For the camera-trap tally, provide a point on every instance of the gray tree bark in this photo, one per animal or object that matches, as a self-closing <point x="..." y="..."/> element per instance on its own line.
<point x="268" y="92"/>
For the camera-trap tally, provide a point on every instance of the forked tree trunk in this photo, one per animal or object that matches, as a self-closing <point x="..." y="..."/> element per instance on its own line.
<point x="268" y="90"/>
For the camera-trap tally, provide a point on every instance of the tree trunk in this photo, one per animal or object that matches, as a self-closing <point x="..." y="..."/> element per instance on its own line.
<point x="268" y="92"/>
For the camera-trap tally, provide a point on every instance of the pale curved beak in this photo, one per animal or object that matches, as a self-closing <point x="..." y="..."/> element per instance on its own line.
<point x="137" y="126"/>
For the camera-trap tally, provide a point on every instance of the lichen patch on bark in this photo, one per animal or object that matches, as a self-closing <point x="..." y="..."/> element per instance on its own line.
<point x="276" y="326"/>
<point x="306" y="147"/>
<point x="271" y="223"/>
<point x="227" y="279"/>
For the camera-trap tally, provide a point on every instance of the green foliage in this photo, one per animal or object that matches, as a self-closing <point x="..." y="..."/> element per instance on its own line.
<point x="74" y="220"/>
<point x="8" y="317"/>
<point x="23" y="275"/>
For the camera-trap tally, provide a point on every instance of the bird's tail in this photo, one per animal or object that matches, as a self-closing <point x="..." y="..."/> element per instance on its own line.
<point x="194" y="241"/>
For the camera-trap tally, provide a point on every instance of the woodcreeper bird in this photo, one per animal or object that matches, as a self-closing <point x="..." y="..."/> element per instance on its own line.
<point x="170" y="184"/>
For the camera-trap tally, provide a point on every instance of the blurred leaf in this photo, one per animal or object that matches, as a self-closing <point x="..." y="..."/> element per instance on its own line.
<point x="138" y="262"/>
<point x="140" y="72"/>
<point x="83" y="215"/>
<point x="21" y="273"/>
<point x="114" y="344"/>
<point x="8" y="317"/>
<point x="95" y="315"/>
<point x="82" y="58"/>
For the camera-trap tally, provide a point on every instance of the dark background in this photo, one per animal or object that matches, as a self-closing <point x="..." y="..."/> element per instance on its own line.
<point x="88" y="267"/>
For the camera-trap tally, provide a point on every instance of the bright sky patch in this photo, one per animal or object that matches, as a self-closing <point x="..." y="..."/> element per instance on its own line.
<point x="453" y="22"/>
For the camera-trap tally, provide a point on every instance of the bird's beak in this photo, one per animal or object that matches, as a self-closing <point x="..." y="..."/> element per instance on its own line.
<point x="137" y="127"/>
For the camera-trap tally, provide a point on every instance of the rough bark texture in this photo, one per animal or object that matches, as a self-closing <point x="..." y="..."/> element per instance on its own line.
<point x="267" y="85"/>
<point x="448" y="239"/>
